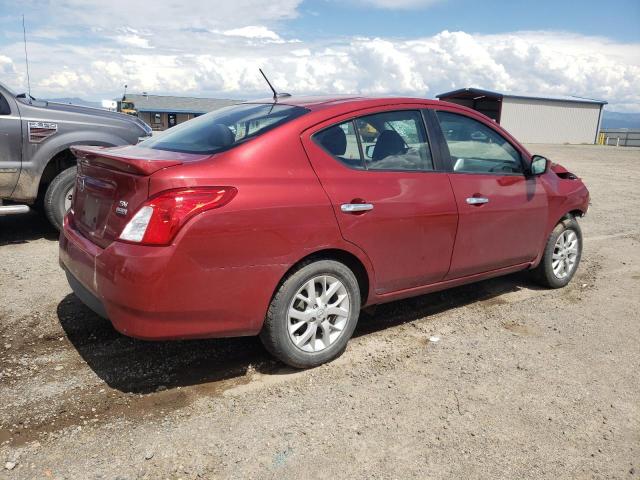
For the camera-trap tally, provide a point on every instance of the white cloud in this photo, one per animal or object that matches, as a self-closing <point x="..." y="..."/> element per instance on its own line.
<point x="133" y="40"/>
<point x="201" y="14"/>
<point x="66" y="79"/>
<point x="225" y="61"/>
<point x="253" y="31"/>
<point x="6" y="66"/>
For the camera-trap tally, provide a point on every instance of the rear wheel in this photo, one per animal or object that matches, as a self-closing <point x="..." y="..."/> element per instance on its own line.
<point x="59" y="195"/>
<point x="313" y="314"/>
<point x="561" y="255"/>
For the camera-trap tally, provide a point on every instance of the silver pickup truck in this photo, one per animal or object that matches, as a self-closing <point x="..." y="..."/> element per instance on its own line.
<point x="36" y="166"/>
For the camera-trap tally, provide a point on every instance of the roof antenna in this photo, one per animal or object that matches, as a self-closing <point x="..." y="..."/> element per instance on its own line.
<point x="276" y="95"/>
<point x="26" y="58"/>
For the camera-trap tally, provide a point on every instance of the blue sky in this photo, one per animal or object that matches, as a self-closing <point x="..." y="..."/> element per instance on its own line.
<point x="619" y="20"/>
<point x="91" y="48"/>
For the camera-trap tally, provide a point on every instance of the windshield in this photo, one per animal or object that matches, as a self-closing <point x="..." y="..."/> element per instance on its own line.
<point x="224" y="128"/>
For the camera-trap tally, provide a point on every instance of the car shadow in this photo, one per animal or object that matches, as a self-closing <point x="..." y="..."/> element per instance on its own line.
<point x="423" y="306"/>
<point x="136" y="366"/>
<point x="25" y="228"/>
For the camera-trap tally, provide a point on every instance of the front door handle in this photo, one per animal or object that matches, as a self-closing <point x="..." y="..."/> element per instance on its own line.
<point x="356" y="207"/>
<point x="477" y="200"/>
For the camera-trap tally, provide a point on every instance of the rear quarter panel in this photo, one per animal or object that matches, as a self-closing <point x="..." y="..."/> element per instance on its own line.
<point x="235" y="256"/>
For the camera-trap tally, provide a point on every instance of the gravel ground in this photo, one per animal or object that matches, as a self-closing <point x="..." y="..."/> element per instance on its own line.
<point x="523" y="382"/>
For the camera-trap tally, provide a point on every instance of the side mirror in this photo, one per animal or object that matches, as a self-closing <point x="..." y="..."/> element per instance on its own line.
<point x="539" y="165"/>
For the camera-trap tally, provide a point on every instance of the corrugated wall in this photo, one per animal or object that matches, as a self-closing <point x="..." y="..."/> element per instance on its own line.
<point x="544" y="121"/>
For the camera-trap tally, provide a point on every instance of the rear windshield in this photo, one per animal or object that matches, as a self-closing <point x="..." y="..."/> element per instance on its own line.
<point x="224" y="128"/>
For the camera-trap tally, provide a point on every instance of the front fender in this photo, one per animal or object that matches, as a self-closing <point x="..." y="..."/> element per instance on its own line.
<point x="564" y="196"/>
<point x="37" y="156"/>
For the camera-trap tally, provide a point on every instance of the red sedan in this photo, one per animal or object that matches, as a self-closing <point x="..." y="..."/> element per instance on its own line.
<point x="285" y="218"/>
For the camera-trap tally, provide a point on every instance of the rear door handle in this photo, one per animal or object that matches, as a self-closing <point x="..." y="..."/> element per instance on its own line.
<point x="356" y="207"/>
<point x="477" y="200"/>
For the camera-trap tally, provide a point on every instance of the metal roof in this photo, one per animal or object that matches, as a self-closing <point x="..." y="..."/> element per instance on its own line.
<point x="489" y="93"/>
<point x="171" y="104"/>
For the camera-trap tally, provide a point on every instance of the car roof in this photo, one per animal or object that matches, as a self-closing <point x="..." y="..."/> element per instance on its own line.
<point x="322" y="108"/>
<point x="320" y="102"/>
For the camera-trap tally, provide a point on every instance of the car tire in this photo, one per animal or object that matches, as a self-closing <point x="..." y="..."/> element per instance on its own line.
<point x="294" y="314"/>
<point x="56" y="196"/>
<point x="552" y="272"/>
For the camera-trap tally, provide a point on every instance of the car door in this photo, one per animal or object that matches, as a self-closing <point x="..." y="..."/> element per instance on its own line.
<point x="502" y="211"/>
<point x="10" y="145"/>
<point x="390" y="197"/>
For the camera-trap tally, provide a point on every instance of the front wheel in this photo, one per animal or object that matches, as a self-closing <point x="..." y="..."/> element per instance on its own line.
<point x="313" y="314"/>
<point x="59" y="195"/>
<point x="561" y="255"/>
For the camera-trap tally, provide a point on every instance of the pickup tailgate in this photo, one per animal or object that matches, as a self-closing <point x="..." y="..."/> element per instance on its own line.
<point x="112" y="183"/>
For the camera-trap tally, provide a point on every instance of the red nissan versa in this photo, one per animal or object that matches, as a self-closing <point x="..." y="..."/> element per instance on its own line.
<point x="285" y="218"/>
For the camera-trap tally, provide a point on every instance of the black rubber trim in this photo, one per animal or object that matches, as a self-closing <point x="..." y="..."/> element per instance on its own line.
<point x="439" y="147"/>
<point x="85" y="296"/>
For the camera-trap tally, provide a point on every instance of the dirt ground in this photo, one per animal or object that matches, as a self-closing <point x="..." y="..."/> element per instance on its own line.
<point x="524" y="383"/>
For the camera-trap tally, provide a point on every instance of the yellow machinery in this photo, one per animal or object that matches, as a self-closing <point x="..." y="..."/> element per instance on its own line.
<point x="127" y="107"/>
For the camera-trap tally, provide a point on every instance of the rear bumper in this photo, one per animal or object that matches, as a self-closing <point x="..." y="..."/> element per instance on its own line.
<point x="157" y="293"/>
<point x="85" y="295"/>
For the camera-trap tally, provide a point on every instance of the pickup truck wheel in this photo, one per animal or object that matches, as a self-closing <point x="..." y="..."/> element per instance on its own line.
<point x="58" y="197"/>
<point x="561" y="255"/>
<point x="313" y="314"/>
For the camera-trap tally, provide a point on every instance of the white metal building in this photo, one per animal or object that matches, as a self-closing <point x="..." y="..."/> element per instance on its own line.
<point x="531" y="119"/>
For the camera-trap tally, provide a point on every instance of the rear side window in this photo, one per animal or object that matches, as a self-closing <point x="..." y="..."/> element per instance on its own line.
<point x="223" y="129"/>
<point x="341" y="142"/>
<point x="383" y="141"/>
<point x="395" y="141"/>
<point x="476" y="148"/>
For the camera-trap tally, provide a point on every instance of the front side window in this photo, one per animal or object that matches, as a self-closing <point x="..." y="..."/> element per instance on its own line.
<point x="223" y="129"/>
<point x="383" y="141"/>
<point x="476" y="148"/>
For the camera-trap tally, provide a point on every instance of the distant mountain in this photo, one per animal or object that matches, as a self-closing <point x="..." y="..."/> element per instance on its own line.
<point x="620" y="120"/>
<point x="74" y="101"/>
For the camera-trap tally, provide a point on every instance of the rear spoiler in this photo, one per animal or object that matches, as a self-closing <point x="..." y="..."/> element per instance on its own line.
<point x="130" y="159"/>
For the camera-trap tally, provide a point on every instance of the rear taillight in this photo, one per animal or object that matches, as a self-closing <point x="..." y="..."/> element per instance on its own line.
<point x="160" y="218"/>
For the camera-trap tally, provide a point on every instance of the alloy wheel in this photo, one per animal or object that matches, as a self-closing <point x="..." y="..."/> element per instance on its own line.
<point x="318" y="313"/>
<point x="565" y="254"/>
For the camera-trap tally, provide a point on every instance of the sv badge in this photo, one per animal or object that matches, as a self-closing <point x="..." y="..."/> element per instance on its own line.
<point x="121" y="209"/>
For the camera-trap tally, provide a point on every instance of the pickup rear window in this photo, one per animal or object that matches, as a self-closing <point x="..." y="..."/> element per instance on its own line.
<point x="4" y="106"/>
<point x="223" y="129"/>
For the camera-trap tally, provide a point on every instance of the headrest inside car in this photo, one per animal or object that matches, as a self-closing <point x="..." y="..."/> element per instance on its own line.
<point x="222" y="135"/>
<point x="334" y="140"/>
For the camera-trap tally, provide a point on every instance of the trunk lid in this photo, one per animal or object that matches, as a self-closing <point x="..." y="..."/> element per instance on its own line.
<point x="111" y="185"/>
